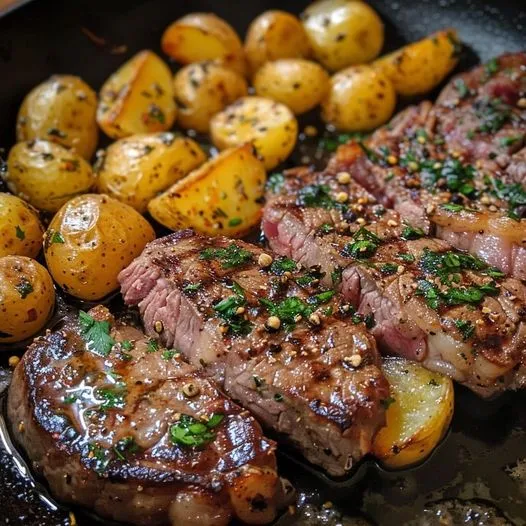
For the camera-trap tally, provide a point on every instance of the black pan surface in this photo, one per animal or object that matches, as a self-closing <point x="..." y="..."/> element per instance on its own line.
<point x="478" y="474"/>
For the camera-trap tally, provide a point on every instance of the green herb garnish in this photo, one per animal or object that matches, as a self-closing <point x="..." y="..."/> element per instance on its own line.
<point x="230" y="257"/>
<point x="281" y="265"/>
<point x="124" y="446"/>
<point x="96" y="334"/>
<point x="235" y="221"/>
<point x="152" y="345"/>
<point x="168" y="354"/>
<point x="111" y="398"/>
<point x="411" y="232"/>
<point x="275" y="182"/>
<point x="192" y="287"/>
<point x="465" y="328"/>
<point x="190" y="432"/>
<point x="20" y="234"/>
<point x="24" y="288"/>
<point x="363" y="246"/>
<point x="227" y="309"/>
<point x="388" y="269"/>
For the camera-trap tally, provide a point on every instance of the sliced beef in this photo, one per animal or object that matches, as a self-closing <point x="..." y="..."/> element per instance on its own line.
<point x="279" y="342"/>
<point x="117" y="424"/>
<point x="431" y="303"/>
<point x="457" y="169"/>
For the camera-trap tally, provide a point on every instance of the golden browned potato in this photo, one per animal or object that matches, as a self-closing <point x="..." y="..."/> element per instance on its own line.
<point x="46" y="174"/>
<point x="299" y="84"/>
<point x="137" y="98"/>
<point x="197" y="37"/>
<point x="270" y="126"/>
<point x="343" y="32"/>
<point x="419" y="412"/>
<point x="20" y="228"/>
<point x="90" y="240"/>
<point x="135" y="169"/>
<point x="273" y="35"/>
<point x="27" y="298"/>
<point x="203" y="89"/>
<point x="360" y="99"/>
<point x="419" y="67"/>
<point x="62" y="109"/>
<point x="222" y="197"/>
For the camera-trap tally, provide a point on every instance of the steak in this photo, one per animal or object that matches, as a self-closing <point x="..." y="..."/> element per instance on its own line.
<point x="278" y="342"/>
<point x="457" y="169"/>
<point x="431" y="303"/>
<point x="118" y="424"/>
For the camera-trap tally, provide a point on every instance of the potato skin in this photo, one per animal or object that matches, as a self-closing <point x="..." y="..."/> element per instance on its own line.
<point x="343" y="32"/>
<point x="270" y="126"/>
<point x="27" y="298"/>
<point x="273" y="35"/>
<point x="46" y="174"/>
<point x="419" y="67"/>
<point x="90" y="240"/>
<point x="299" y="84"/>
<point x="20" y="228"/>
<point x="360" y="99"/>
<point x="137" y="98"/>
<point x="203" y="89"/>
<point x="222" y="197"/>
<point x="62" y="109"/>
<point x="135" y="169"/>
<point x="199" y="37"/>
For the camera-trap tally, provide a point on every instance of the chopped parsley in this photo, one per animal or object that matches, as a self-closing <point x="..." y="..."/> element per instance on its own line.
<point x="70" y="399"/>
<point x="336" y="275"/>
<point x="54" y="236"/>
<point x="513" y="194"/>
<point x="451" y="174"/>
<point x="281" y="265"/>
<point x="192" y="287"/>
<point x="326" y="228"/>
<point x="230" y="257"/>
<point x="235" y="221"/>
<point x="168" y="354"/>
<point x="287" y="310"/>
<point x="190" y="432"/>
<point x="24" y="288"/>
<point x="111" y="398"/>
<point x="363" y="246"/>
<point x="411" y="232"/>
<point x="227" y="311"/>
<point x="310" y="278"/>
<point x="20" y="234"/>
<point x="124" y="446"/>
<point x="406" y="257"/>
<point x="465" y="328"/>
<point x="126" y="345"/>
<point x="510" y="141"/>
<point x="493" y="113"/>
<point x="321" y="298"/>
<point x="100" y="456"/>
<point x="388" y="269"/>
<point x="462" y="90"/>
<point x="152" y="345"/>
<point x="491" y="67"/>
<point x="96" y="334"/>
<point x="275" y="182"/>
<point x="317" y="196"/>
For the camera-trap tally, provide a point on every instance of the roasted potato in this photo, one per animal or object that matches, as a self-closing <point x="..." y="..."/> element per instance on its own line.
<point x="46" y="174"/>
<point x="221" y="197"/>
<point x="20" y="228"/>
<point x="90" y="240"/>
<point x="135" y="169"/>
<point x="27" y="298"/>
<point x="270" y="126"/>
<point x="204" y="89"/>
<point x="419" y="413"/>
<point x="360" y="99"/>
<point x="274" y="35"/>
<point x="343" y="32"/>
<point x="299" y="84"/>
<point x="137" y="98"/>
<point x="197" y="37"/>
<point x="418" y="68"/>
<point x="62" y="109"/>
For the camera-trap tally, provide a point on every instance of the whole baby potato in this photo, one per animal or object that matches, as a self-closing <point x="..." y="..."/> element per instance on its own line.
<point x="203" y="89"/>
<point x="137" y="98"/>
<point x="299" y="84"/>
<point x="20" y="228"/>
<point x="343" y="32"/>
<point x="46" y="174"/>
<point x="135" y="169"/>
<point x="360" y="99"/>
<point x="27" y="298"/>
<point x="273" y="35"/>
<point x="90" y="240"/>
<point x="62" y="109"/>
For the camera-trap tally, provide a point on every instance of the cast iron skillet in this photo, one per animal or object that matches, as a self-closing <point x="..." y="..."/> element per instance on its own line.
<point x="475" y="474"/>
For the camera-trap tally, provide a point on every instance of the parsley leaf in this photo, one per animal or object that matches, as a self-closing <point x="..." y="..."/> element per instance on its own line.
<point x="411" y="232"/>
<point x="281" y="265"/>
<point x="20" y="234"/>
<point x="24" y="288"/>
<point x="96" y="334"/>
<point x="465" y="328"/>
<point x="363" y="246"/>
<point x="275" y="182"/>
<point x="230" y="257"/>
<point x="190" y="432"/>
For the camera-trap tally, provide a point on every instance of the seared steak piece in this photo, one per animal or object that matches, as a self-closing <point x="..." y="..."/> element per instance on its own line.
<point x="282" y="345"/>
<point x="457" y="170"/>
<point x="431" y="303"/>
<point x="117" y="424"/>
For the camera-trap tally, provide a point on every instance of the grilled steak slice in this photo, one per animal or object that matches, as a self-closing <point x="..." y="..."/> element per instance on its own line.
<point x="119" y="425"/>
<point x="282" y="343"/>
<point x="431" y="303"/>
<point x="457" y="169"/>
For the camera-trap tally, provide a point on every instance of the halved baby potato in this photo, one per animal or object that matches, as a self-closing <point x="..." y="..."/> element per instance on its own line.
<point x="46" y="174"/>
<point x="273" y="35"/>
<point x="360" y="99"/>
<point x="418" y="415"/>
<point x="299" y="84"/>
<point x="343" y="32"/>
<point x="197" y="37"/>
<point x="135" y="169"/>
<point x="222" y="197"/>
<point x="419" y="67"/>
<point x="269" y="125"/>
<point x="62" y="109"/>
<point x="203" y="89"/>
<point x="137" y="98"/>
